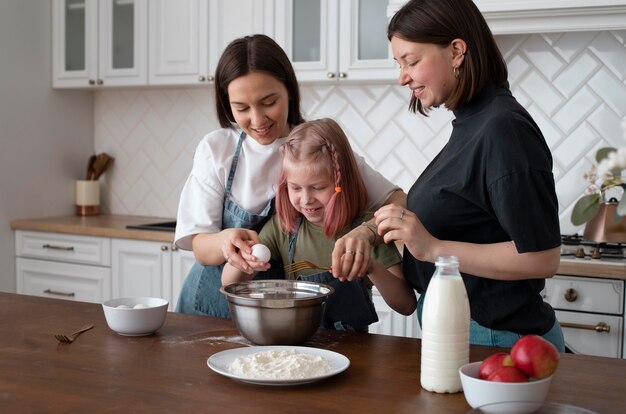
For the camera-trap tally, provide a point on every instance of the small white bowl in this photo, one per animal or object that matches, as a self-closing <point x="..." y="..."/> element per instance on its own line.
<point x="502" y="397"/>
<point x="126" y="320"/>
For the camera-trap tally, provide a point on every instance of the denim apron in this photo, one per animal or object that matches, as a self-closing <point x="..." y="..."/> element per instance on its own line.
<point x="200" y="294"/>
<point x="350" y="307"/>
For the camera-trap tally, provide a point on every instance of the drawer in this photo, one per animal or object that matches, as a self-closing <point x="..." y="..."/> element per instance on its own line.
<point x="63" y="247"/>
<point x="63" y="280"/>
<point x="582" y="338"/>
<point x="585" y="294"/>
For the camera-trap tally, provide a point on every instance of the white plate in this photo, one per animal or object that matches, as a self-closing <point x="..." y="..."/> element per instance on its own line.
<point x="220" y="362"/>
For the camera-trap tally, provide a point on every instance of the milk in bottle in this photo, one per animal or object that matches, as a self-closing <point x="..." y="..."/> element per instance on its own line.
<point x="445" y="328"/>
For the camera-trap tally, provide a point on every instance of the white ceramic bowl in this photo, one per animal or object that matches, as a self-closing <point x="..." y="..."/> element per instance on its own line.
<point x="502" y="397"/>
<point x="124" y="319"/>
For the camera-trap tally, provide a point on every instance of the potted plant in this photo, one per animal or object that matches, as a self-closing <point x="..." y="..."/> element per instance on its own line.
<point x="603" y="208"/>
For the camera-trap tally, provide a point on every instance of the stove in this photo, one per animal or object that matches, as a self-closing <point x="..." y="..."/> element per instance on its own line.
<point x="588" y="296"/>
<point x="574" y="246"/>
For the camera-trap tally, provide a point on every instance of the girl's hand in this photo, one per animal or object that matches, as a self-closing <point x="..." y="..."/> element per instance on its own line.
<point x="237" y="251"/>
<point x="397" y="223"/>
<point x="352" y="254"/>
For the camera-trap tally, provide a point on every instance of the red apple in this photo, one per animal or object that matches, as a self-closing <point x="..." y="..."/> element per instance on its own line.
<point x="537" y="357"/>
<point x="494" y="362"/>
<point x="508" y="374"/>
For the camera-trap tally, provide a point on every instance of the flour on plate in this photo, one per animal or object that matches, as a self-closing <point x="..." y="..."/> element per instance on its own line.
<point x="280" y="365"/>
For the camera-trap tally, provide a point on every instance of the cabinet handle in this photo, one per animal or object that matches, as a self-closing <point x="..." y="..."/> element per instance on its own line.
<point x="343" y="75"/>
<point x="92" y="82"/>
<point x="99" y="82"/>
<point x="164" y="248"/>
<point x="52" y="292"/>
<point x="571" y="295"/>
<point x="210" y="78"/>
<point x="201" y="78"/>
<point x="53" y="247"/>
<point x="599" y="327"/>
<point x="330" y="75"/>
<point x="174" y="248"/>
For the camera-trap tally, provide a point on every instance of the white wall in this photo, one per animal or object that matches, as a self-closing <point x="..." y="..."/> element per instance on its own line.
<point x="46" y="136"/>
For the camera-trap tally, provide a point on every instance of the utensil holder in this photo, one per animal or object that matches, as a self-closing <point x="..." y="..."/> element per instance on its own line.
<point x="87" y="197"/>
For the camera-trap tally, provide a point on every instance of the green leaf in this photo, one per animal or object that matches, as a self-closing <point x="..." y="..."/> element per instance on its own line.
<point x="603" y="153"/>
<point x="585" y="209"/>
<point x="621" y="207"/>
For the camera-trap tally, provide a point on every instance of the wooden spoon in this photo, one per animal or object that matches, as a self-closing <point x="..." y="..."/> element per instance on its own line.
<point x="90" y="167"/>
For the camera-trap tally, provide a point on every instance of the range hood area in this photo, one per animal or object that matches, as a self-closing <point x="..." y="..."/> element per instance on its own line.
<point x="546" y="16"/>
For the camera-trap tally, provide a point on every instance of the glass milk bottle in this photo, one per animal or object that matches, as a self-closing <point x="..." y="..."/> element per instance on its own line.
<point x="445" y="328"/>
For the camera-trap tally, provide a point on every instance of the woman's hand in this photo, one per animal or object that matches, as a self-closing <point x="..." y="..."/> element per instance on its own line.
<point x="352" y="254"/>
<point x="396" y="223"/>
<point x="237" y="251"/>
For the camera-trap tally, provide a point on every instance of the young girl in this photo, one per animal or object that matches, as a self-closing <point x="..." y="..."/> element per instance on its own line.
<point x="320" y="196"/>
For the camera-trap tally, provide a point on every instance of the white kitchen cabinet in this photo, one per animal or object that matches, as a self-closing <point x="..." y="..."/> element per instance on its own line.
<point x="99" y="43"/>
<point x="336" y="40"/>
<point x="391" y="322"/>
<point x="63" y="266"/>
<point x="187" y="37"/>
<point x="148" y="268"/>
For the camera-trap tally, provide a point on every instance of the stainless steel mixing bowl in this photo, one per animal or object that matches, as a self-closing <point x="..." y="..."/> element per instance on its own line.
<point x="277" y="312"/>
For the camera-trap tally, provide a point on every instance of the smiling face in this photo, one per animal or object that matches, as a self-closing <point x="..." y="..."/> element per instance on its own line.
<point x="260" y="106"/>
<point x="427" y="69"/>
<point x="309" y="190"/>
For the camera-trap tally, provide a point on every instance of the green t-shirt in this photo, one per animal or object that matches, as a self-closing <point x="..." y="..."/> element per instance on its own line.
<point x="314" y="246"/>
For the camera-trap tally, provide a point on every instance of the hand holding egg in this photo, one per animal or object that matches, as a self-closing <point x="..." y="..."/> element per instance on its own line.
<point x="261" y="252"/>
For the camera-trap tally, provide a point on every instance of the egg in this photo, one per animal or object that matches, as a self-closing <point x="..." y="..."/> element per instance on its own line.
<point x="261" y="252"/>
<point x="140" y="306"/>
<point x="123" y="307"/>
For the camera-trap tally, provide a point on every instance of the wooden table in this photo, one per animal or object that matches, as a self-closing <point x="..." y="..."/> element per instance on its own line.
<point x="167" y="372"/>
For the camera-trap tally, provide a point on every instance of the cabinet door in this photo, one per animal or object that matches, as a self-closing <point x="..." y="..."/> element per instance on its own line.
<point x="141" y="268"/>
<point x="63" y="280"/>
<point x="231" y="19"/>
<point x="179" y="49"/>
<point x="182" y="260"/>
<point x="74" y="43"/>
<point x="123" y="42"/>
<point x="308" y="30"/>
<point x="364" y="51"/>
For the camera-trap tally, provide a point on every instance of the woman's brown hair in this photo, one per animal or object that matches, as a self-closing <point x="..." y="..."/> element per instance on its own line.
<point x="440" y="22"/>
<point x="323" y="149"/>
<point x="256" y="53"/>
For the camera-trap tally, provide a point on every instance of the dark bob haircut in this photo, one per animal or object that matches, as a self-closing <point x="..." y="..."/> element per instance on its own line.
<point x="256" y="53"/>
<point x="440" y="22"/>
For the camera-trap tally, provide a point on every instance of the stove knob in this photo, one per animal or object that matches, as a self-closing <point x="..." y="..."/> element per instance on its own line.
<point x="571" y="295"/>
<point x="580" y="252"/>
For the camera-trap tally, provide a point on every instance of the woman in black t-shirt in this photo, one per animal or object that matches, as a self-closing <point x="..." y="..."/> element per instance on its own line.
<point x="488" y="197"/>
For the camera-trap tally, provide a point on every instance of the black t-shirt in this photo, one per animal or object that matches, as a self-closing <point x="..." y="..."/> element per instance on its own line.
<point x="491" y="183"/>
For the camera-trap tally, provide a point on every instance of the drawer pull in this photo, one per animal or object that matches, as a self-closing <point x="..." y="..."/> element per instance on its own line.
<point x="599" y="327"/>
<point x="571" y="295"/>
<point x="53" y="247"/>
<point x="52" y="292"/>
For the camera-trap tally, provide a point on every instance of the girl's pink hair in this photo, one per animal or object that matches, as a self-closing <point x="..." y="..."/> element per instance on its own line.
<point x="322" y="148"/>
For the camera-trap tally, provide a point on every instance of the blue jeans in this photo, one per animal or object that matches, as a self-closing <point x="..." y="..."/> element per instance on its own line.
<point x="479" y="335"/>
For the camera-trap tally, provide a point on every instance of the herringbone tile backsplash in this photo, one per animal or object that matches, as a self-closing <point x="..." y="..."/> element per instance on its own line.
<point x="574" y="85"/>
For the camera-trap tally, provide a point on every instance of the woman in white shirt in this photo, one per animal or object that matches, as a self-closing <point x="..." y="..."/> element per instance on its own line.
<point x="229" y="193"/>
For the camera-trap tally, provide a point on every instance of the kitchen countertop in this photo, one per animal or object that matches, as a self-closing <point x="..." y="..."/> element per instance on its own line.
<point x="167" y="372"/>
<point x="115" y="226"/>
<point x="104" y="225"/>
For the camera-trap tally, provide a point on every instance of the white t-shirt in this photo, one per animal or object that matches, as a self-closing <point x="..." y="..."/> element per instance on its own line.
<point x="202" y="199"/>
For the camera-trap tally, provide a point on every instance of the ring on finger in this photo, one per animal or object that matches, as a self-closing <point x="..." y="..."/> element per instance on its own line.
<point x="402" y="215"/>
<point x="350" y="252"/>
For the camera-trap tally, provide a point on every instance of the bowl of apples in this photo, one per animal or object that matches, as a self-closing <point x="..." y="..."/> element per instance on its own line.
<point x="512" y="383"/>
